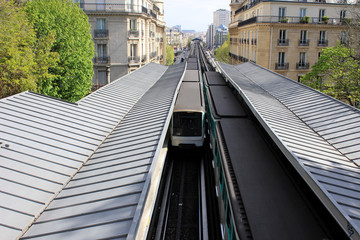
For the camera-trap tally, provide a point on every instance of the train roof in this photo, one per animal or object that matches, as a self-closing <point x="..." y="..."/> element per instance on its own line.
<point x="192" y="66"/>
<point x="318" y="134"/>
<point x="191" y="76"/>
<point x="225" y="102"/>
<point x="189" y="98"/>
<point x="259" y="175"/>
<point x="214" y="78"/>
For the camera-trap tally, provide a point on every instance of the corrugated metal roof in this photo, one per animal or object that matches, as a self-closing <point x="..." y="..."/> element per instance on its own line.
<point x="44" y="141"/>
<point x="105" y="198"/>
<point x="319" y="134"/>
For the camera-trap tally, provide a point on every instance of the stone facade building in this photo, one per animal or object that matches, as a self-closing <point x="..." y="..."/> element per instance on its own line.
<point x="285" y="36"/>
<point x="127" y="35"/>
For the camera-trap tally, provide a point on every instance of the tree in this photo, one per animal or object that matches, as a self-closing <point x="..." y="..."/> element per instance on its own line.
<point x="222" y="53"/>
<point x="337" y="74"/>
<point x="64" y="48"/>
<point x="169" y="55"/>
<point x="17" y="60"/>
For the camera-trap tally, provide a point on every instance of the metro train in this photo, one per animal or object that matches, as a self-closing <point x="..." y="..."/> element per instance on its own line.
<point x="187" y="125"/>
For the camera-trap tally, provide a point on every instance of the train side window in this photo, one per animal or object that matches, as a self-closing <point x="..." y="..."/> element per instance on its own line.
<point x="229" y="224"/>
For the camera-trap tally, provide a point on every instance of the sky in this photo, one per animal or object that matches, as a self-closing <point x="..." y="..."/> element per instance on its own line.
<point x="192" y="14"/>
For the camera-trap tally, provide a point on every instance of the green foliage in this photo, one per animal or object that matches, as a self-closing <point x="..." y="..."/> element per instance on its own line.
<point x="17" y="60"/>
<point x="222" y="53"/>
<point x="64" y="48"/>
<point x="337" y="74"/>
<point x="169" y="55"/>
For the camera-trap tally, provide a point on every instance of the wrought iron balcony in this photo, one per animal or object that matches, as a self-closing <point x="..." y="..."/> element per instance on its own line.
<point x="283" y="42"/>
<point x="281" y="66"/>
<point x="323" y="43"/>
<point x="156" y="8"/>
<point x="304" y="42"/>
<point x="292" y="20"/>
<point x="101" y="33"/>
<point x="102" y="60"/>
<point x="153" y="54"/>
<point x="134" y="60"/>
<point x="302" y="65"/>
<point x="134" y="33"/>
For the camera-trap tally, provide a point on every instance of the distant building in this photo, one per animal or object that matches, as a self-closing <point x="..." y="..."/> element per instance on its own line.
<point x="221" y="17"/>
<point x="221" y="35"/>
<point x="209" y="36"/>
<point x="127" y="35"/>
<point x="188" y="31"/>
<point x="285" y="36"/>
<point x="174" y="37"/>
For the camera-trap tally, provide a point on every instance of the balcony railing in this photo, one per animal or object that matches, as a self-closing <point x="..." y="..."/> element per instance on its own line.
<point x="116" y="8"/>
<point x="153" y="14"/>
<point x="283" y="42"/>
<point x="133" y="59"/>
<point x="153" y="54"/>
<point x="102" y="60"/>
<point x="287" y="20"/>
<point x="143" y="58"/>
<point x="304" y="42"/>
<point x="281" y="66"/>
<point x="156" y="8"/>
<point x="323" y="43"/>
<point x="133" y="33"/>
<point x="101" y="33"/>
<point x="302" y="65"/>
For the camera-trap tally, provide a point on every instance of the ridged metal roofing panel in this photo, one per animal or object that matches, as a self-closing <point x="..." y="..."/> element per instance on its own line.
<point x="45" y="141"/>
<point x="103" y="198"/>
<point x="309" y="126"/>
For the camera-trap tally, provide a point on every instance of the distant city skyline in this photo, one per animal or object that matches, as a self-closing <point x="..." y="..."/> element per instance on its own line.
<point x="192" y="14"/>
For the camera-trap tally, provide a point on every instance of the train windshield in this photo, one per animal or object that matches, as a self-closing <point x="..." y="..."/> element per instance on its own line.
<point x="187" y="124"/>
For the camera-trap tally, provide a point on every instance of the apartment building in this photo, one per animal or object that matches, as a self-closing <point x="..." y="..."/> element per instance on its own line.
<point x="285" y="36"/>
<point x="127" y="35"/>
<point x="221" y="16"/>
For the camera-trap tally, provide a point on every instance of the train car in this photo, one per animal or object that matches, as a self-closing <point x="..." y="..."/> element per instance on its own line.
<point x="187" y="128"/>
<point x="258" y="191"/>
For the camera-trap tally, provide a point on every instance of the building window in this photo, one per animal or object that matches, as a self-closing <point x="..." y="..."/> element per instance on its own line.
<point x="133" y="24"/>
<point x="101" y="50"/>
<point x="281" y="13"/>
<point x="319" y="54"/>
<point x="282" y="41"/>
<point x="100" y="30"/>
<point x="101" y="57"/>
<point x="302" y="64"/>
<point x="322" y="39"/>
<point x="302" y="12"/>
<point x="303" y="38"/>
<point x="302" y="58"/>
<point x="342" y="15"/>
<point x="100" y="23"/>
<point x="321" y="14"/>
<point x="281" y="59"/>
<point x="299" y="78"/>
